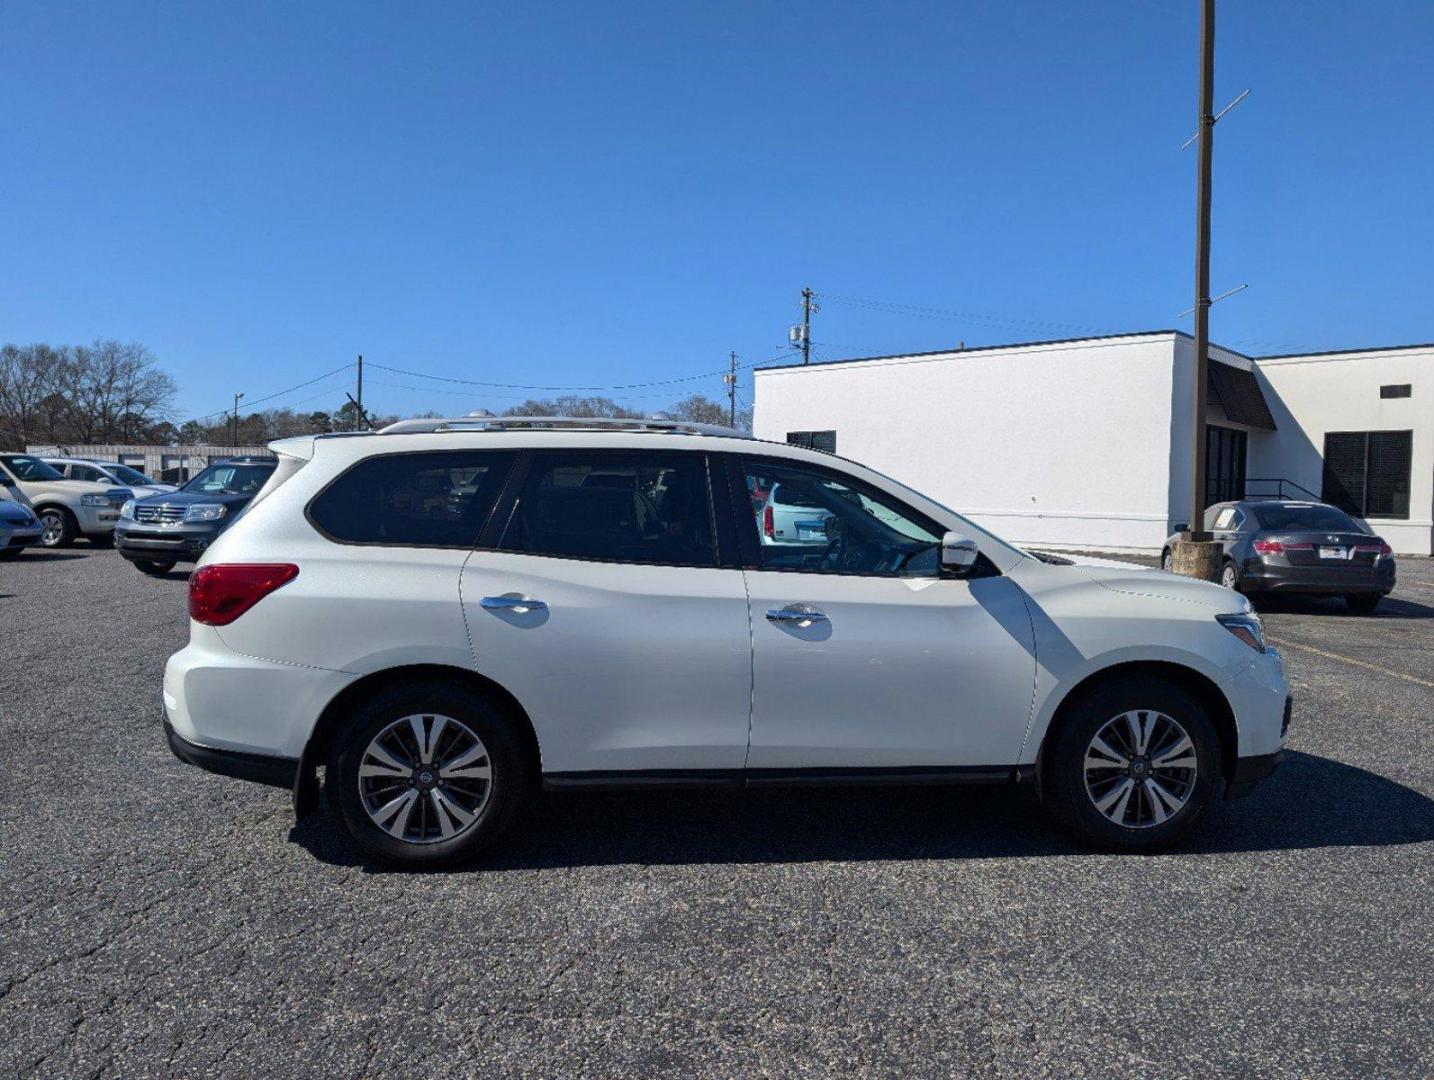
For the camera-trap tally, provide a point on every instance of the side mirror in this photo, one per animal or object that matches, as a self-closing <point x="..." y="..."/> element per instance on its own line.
<point x="958" y="553"/>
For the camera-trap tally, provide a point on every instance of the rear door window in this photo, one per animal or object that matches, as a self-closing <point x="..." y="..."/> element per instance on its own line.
<point x="431" y="499"/>
<point x="615" y="506"/>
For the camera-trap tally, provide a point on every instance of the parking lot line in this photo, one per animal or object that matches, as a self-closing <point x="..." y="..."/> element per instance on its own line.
<point x="1351" y="660"/>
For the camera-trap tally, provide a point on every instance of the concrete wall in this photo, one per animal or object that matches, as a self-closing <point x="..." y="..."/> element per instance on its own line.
<point x="1058" y="444"/>
<point x="1312" y="395"/>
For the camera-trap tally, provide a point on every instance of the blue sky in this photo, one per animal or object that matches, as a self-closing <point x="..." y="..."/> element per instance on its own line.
<point x="603" y="194"/>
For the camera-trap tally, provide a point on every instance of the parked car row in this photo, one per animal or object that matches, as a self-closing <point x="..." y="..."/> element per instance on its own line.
<point x="52" y="502"/>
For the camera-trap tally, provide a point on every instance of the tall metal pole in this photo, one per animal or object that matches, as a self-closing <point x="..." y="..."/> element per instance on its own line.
<point x="1196" y="526"/>
<point x="359" y="399"/>
<point x="807" y="326"/>
<point x="234" y="431"/>
<point x="731" y="381"/>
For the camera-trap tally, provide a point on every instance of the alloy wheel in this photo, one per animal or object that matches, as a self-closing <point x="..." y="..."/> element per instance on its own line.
<point x="1140" y="769"/>
<point x="425" y="778"/>
<point x="1228" y="576"/>
<point x="52" y="528"/>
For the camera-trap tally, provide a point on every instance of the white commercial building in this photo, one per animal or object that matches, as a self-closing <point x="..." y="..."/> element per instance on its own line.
<point x="1086" y="443"/>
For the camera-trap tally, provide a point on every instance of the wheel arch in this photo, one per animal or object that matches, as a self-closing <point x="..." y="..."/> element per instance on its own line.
<point x="336" y="712"/>
<point x="1201" y="687"/>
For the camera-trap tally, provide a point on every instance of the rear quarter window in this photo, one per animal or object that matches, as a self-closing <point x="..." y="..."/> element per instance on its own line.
<point x="430" y="499"/>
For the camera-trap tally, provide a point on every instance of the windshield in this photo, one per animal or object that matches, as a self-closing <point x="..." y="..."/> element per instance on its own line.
<point x="28" y="468"/>
<point x="1309" y="517"/>
<point x="126" y="475"/>
<point x="228" y="479"/>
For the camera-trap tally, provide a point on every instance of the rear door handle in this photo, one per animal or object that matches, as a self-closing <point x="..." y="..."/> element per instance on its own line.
<point x="519" y="605"/>
<point x="801" y="614"/>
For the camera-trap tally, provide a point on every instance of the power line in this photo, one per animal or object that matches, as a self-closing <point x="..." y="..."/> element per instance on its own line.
<point x="270" y="397"/>
<point x="525" y="386"/>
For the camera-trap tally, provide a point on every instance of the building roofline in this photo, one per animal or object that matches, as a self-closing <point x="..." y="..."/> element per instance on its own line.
<point x="1347" y="352"/>
<point x="995" y="348"/>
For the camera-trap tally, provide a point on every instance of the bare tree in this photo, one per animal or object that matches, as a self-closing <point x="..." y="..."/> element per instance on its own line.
<point x="27" y="385"/>
<point x="700" y="409"/>
<point x="572" y="405"/>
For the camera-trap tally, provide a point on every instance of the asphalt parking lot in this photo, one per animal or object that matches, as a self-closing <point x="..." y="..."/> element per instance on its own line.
<point x="158" y="920"/>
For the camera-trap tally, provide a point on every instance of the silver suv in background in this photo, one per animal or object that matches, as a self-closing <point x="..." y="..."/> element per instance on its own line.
<point x="109" y="472"/>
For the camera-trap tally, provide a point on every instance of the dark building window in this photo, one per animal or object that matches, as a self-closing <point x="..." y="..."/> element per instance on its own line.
<point x="1366" y="473"/>
<point x="1225" y="453"/>
<point x="814" y="440"/>
<point x="1396" y="390"/>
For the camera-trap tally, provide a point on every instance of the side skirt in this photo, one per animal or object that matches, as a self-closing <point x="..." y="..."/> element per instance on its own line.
<point x="770" y="778"/>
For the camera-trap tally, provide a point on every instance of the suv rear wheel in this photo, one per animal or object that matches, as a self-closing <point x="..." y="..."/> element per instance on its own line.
<point x="427" y="775"/>
<point x="1134" y="767"/>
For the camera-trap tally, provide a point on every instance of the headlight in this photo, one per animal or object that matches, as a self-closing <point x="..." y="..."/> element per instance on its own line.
<point x="1247" y="627"/>
<point x="205" y="512"/>
<point x="127" y="510"/>
<point x="94" y="500"/>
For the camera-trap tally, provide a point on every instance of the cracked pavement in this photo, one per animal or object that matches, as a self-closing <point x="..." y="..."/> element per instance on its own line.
<point x="156" y="920"/>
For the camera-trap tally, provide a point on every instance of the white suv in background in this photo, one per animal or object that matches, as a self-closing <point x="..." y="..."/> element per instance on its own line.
<point x="447" y="613"/>
<point x="67" y="509"/>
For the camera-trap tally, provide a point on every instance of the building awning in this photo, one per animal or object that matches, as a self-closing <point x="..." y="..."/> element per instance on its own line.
<point x="1238" y="393"/>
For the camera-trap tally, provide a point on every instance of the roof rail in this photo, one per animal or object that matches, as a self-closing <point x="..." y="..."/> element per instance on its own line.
<point x="565" y="423"/>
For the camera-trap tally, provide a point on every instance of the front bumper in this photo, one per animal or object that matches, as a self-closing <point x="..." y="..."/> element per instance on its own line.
<point x="20" y="538"/>
<point x="1276" y="574"/>
<point x="97" y="520"/>
<point x="154" y="543"/>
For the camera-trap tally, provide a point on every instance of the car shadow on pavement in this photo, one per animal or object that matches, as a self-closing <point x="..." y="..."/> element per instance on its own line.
<point x="45" y="556"/>
<point x="1312" y="802"/>
<point x="1389" y="608"/>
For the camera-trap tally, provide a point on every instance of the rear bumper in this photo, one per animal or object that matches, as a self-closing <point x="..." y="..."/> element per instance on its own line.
<point x="1259" y="575"/>
<point x="259" y="768"/>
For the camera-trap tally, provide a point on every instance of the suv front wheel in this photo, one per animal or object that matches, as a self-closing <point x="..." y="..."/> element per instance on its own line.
<point x="1134" y="766"/>
<point x="427" y="775"/>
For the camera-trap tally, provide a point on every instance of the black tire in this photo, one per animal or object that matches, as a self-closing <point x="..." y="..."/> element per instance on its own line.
<point x="1364" y="603"/>
<point x="152" y="568"/>
<point x="1230" y="575"/>
<point x="59" y="524"/>
<point x="510" y="787"/>
<point x="1064" y="773"/>
<point x="1167" y="561"/>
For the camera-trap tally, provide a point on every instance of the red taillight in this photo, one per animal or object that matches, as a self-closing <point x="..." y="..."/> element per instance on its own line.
<point x="769" y="526"/>
<point x="1380" y="550"/>
<point x="1279" y="547"/>
<point x="219" y="594"/>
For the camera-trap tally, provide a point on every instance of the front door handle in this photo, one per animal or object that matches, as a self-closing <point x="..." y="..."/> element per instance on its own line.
<point x="519" y="605"/>
<point x="801" y="614"/>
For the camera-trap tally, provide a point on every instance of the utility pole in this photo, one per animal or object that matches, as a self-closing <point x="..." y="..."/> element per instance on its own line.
<point x="807" y="326"/>
<point x="234" y="429"/>
<point x="1196" y="554"/>
<point x="731" y="380"/>
<point x="359" y="400"/>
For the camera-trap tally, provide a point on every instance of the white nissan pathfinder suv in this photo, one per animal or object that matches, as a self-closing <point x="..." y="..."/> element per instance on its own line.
<point x="446" y="614"/>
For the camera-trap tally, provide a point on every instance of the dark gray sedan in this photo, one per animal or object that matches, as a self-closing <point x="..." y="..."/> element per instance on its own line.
<point x="1275" y="546"/>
